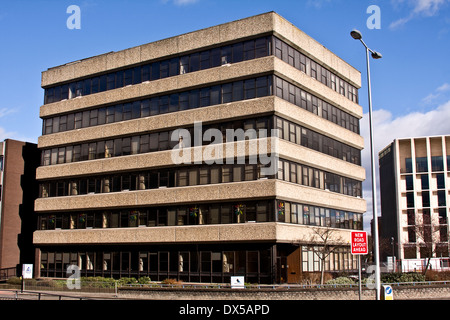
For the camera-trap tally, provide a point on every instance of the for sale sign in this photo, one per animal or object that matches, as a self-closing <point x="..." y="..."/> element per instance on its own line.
<point x="359" y="242"/>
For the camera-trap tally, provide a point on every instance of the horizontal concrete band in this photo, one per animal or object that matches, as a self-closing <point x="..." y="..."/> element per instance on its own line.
<point x="222" y="113"/>
<point x="268" y="23"/>
<point x="264" y="232"/>
<point x="259" y="148"/>
<point x="202" y="78"/>
<point x="250" y="190"/>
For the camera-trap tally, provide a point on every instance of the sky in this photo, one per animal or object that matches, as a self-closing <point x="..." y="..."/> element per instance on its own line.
<point x="410" y="84"/>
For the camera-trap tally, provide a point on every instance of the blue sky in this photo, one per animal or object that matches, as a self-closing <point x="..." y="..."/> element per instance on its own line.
<point x="411" y="84"/>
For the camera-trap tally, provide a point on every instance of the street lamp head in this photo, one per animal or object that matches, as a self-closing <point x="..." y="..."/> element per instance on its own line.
<point x="356" y="35"/>
<point x="376" y="55"/>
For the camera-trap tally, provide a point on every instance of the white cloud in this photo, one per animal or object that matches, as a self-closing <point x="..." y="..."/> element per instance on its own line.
<point x="427" y="8"/>
<point x="5" y="135"/>
<point x="415" y="124"/>
<point x="430" y="98"/>
<point x="317" y="3"/>
<point x="15" y="136"/>
<point x="6" y="111"/>
<point x="438" y="93"/>
<point x="444" y="87"/>
<point x="400" y="22"/>
<point x="386" y="129"/>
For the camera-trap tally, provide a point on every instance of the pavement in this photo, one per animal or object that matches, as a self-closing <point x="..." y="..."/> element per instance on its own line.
<point x="54" y="295"/>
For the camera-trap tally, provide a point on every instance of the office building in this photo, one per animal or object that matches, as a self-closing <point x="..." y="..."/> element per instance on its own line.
<point x="18" y="191"/>
<point x="159" y="160"/>
<point x="414" y="180"/>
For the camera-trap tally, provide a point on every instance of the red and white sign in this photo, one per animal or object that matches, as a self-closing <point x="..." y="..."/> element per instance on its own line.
<point x="359" y="242"/>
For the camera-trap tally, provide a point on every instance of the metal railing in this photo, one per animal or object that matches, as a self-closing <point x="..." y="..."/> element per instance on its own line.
<point x="86" y="292"/>
<point x="61" y="286"/>
<point x="273" y="286"/>
<point x="37" y="295"/>
<point x="7" y="273"/>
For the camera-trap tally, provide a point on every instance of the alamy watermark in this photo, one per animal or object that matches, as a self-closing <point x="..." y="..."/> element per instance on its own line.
<point x="74" y="20"/>
<point x="260" y="147"/>
<point x="73" y="277"/>
<point x="371" y="279"/>
<point x="374" y="21"/>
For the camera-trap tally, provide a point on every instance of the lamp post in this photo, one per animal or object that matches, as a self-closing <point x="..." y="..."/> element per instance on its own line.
<point x="375" y="55"/>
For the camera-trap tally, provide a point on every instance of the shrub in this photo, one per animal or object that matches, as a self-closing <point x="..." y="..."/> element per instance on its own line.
<point x="402" y="277"/>
<point x="172" y="281"/>
<point x="126" y="280"/>
<point x="14" y="281"/>
<point x="341" y="280"/>
<point x="433" y="275"/>
<point x="98" y="282"/>
<point x="314" y="277"/>
<point x="144" y="280"/>
<point x="51" y="283"/>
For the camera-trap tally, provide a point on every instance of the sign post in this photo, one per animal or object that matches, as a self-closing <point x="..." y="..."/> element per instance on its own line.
<point x="359" y="243"/>
<point x="27" y="273"/>
<point x="359" y="247"/>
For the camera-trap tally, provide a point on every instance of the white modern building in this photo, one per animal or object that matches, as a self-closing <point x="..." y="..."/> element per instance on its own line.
<point x="414" y="181"/>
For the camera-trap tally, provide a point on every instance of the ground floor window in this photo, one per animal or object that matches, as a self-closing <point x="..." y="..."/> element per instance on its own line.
<point x="258" y="263"/>
<point x="338" y="259"/>
<point x="186" y="263"/>
<point x="300" y="264"/>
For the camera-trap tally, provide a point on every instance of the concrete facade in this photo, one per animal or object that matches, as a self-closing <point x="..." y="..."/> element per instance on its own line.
<point x="414" y="176"/>
<point x="276" y="191"/>
<point x="269" y="23"/>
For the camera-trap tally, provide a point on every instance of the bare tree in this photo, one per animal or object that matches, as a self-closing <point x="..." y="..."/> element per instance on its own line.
<point x="428" y="236"/>
<point x="328" y="243"/>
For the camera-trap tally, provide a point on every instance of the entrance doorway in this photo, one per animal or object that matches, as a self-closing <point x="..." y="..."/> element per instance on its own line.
<point x="289" y="264"/>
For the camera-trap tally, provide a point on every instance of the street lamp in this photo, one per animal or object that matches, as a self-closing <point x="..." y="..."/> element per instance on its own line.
<point x="375" y="55"/>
